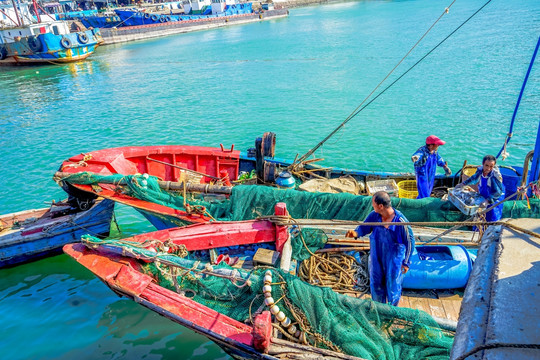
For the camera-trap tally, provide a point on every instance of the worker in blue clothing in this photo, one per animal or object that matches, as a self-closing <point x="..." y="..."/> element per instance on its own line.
<point x="490" y="186"/>
<point x="390" y="249"/>
<point x="426" y="159"/>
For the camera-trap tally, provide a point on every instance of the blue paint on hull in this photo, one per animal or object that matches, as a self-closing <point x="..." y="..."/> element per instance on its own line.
<point x="17" y="249"/>
<point x="53" y="48"/>
<point x="162" y="222"/>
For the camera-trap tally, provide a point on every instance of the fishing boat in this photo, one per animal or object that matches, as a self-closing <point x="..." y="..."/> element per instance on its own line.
<point x="50" y="42"/>
<point x="241" y="285"/>
<point x="33" y="234"/>
<point x="191" y="10"/>
<point x="157" y="175"/>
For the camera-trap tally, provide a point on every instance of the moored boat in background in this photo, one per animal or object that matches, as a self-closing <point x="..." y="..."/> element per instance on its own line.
<point x="51" y="42"/>
<point x="34" y="234"/>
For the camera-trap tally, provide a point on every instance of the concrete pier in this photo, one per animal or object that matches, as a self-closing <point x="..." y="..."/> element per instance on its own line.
<point x="500" y="312"/>
<point x="133" y="33"/>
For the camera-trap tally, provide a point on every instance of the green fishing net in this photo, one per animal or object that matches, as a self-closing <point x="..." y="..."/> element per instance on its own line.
<point x="251" y="201"/>
<point x="350" y="325"/>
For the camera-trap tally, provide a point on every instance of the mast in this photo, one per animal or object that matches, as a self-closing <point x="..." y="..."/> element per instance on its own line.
<point x="19" y="20"/>
<point x="36" y="11"/>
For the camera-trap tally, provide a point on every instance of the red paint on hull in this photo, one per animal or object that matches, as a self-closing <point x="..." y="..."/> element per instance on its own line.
<point x="139" y="159"/>
<point x="123" y="276"/>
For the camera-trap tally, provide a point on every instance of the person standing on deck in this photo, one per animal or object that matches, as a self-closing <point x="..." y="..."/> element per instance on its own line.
<point x="390" y="249"/>
<point x="490" y="186"/>
<point x="426" y="159"/>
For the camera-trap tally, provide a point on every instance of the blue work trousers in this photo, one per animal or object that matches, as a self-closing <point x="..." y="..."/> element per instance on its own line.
<point x="424" y="186"/>
<point x="385" y="262"/>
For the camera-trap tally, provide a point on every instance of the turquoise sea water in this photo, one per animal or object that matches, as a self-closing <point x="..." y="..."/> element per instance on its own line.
<point x="299" y="77"/>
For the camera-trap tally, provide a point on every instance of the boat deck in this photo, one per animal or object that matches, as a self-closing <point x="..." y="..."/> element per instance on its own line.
<point x="501" y="311"/>
<point x="442" y="305"/>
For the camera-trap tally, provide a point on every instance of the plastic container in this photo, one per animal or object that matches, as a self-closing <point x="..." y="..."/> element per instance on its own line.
<point x="388" y="185"/>
<point x="447" y="267"/>
<point x="285" y="180"/>
<point x="511" y="179"/>
<point x="464" y="208"/>
<point x="470" y="170"/>
<point x="407" y="189"/>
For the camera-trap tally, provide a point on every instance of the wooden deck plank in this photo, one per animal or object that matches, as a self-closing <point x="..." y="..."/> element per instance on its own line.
<point x="450" y="309"/>
<point x="419" y="304"/>
<point x="437" y="308"/>
<point x="404" y="302"/>
<point x="457" y="306"/>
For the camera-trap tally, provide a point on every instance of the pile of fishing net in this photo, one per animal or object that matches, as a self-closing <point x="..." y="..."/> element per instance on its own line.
<point x="350" y="325"/>
<point x="251" y="201"/>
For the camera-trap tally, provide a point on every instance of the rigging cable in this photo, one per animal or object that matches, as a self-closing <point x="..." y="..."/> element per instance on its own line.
<point x="509" y="135"/>
<point x="360" y="107"/>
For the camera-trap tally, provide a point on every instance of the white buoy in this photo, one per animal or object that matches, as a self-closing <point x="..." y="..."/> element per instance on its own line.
<point x="291" y="330"/>
<point x="269" y="301"/>
<point x="274" y="309"/>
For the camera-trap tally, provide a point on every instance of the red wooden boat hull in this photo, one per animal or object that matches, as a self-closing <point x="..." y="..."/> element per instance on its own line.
<point x="123" y="277"/>
<point x="242" y="341"/>
<point x="139" y="160"/>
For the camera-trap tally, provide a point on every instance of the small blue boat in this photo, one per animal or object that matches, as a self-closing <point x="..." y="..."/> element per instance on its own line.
<point x="29" y="235"/>
<point x="439" y="267"/>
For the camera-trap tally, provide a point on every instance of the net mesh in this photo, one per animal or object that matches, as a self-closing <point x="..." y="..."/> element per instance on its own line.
<point x="249" y="202"/>
<point x="350" y="325"/>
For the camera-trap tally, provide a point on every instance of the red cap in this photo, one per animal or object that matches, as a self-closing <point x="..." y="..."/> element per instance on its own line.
<point x="432" y="139"/>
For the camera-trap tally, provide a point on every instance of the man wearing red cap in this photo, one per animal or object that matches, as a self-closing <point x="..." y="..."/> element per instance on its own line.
<point x="426" y="159"/>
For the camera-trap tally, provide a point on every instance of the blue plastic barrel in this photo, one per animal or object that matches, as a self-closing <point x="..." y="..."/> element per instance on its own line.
<point x="511" y="179"/>
<point x="444" y="267"/>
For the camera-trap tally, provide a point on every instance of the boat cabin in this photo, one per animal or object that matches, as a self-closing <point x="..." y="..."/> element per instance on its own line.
<point x="195" y="6"/>
<point x="11" y="35"/>
<point x="219" y="6"/>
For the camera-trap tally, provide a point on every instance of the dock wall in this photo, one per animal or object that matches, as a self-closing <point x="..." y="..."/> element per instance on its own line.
<point x="132" y="33"/>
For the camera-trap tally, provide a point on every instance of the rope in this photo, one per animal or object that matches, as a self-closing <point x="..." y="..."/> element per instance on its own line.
<point x="483" y="212"/>
<point x="359" y="108"/>
<point x="321" y="257"/>
<point x="497" y="345"/>
<point x="320" y="273"/>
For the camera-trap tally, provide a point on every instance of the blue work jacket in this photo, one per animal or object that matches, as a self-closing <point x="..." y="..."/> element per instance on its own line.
<point x="426" y="165"/>
<point x="491" y="187"/>
<point x="394" y="235"/>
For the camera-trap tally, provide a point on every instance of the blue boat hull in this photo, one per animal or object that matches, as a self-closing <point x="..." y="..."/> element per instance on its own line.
<point x="47" y="237"/>
<point x="162" y="222"/>
<point x="51" y="48"/>
<point x="439" y="267"/>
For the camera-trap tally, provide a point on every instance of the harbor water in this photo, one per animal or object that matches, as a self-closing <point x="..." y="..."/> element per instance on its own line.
<point x="299" y="77"/>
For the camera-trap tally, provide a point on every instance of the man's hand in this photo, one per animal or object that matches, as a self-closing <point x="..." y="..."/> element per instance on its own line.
<point x="447" y="171"/>
<point x="404" y="269"/>
<point x="352" y="234"/>
<point x="485" y="204"/>
<point x="415" y="158"/>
